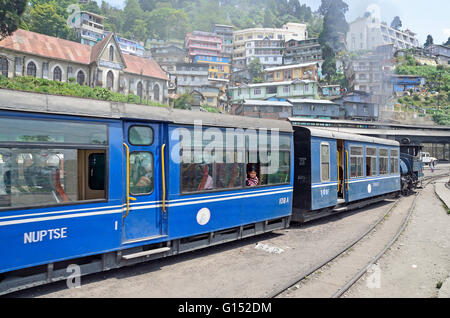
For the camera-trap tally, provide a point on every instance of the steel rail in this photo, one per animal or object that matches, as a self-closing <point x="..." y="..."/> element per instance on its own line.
<point x="299" y="279"/>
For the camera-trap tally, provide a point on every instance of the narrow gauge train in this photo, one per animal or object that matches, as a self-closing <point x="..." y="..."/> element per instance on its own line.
<point x="108" y="188"/>
<point x="102" y="185"/>
<point x="336" y="172"/>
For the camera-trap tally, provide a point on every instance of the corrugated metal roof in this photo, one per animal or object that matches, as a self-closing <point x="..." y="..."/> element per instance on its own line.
<point x="311" y="101"/>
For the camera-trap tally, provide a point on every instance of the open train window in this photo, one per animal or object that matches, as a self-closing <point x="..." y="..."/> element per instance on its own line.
<point x="371" y="162"/>
<point x="45" y="163"/>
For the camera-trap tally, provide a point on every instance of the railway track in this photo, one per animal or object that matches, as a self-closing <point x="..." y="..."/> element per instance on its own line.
<point x="357" y="276"/>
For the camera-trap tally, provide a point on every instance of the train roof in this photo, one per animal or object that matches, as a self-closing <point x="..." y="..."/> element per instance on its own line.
<point x="331" y="134"/>
<point x="74" y="106"/>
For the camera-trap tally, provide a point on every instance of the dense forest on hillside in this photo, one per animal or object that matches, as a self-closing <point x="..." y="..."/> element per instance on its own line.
<point x="172" y="19"/>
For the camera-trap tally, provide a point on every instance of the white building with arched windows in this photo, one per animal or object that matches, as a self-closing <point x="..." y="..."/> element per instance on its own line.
<point x="27" y="53"/>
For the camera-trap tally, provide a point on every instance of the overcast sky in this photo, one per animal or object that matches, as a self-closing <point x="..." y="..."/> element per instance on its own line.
<point x="421" y="16"/>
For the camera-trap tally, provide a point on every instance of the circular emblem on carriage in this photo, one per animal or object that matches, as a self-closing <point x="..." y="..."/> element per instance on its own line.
<point x="369" y="188"/>
<point x="203" y="216"/>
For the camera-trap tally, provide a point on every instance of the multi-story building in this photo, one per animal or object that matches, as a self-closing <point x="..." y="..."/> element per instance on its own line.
<point x="203" y="43"/>
<point x="226" y="33"/>
<point x="290" y="31"/>
<point x="367" y="33"/>
<point x="371" y="74"/>
<point x="192" y="77"/>
<point x="219" y="67"/>
<point x="306" y="71"/>
<point x="26" y="53"/>
<point x="358" y="105"/>
<point x="169" y="56"/>
<point x="275" y="91"/>
<point x="302" y="51"/>
<point x="315" y="108"/>
<point x="131" y="47"/>
<point x="91" y="28"/>
<point x="441" y="52"/>
<point x="268" y="51"/>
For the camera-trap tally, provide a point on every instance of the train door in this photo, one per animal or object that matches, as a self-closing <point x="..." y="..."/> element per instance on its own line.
<point x="143" y="207"/>
<point x="341" y="167"/>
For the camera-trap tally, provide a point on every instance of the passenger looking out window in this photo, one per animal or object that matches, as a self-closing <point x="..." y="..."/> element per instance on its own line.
<point x="252" y="180"/>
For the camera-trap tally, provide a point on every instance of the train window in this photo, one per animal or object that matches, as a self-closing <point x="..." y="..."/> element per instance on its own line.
<point x="140" y="136"/>
<point x="96" y="167"/>
<point x="46" y="131"/>
<point x="141" y="173"/>
<point x="203" y="168"/>
<point x="40" y="177"/>
<point x="371" y="161"/>
<point x="384" y="161"/>
<point x="229" y="175"/>
<point x="325" y="162"/>
<point x="356" y="162"/>
<point x="394" y="162"/>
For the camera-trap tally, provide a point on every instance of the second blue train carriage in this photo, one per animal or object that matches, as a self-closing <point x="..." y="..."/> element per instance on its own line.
<point x="336" y="171"/>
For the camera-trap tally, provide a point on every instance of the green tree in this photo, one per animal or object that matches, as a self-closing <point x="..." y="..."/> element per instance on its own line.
<point x="131" y="13"/>
<point x="91" y="6"/>
<point x="429" y="40"/>
<point x="167" y="23"/>
<point x="11" y="16"/>
<point x="184" y="101"/>
<point x="44" y="18"/>
<point x="334" y="24"/>
<point x="255" y="69"/>
<point x="396" y="23"/>
<point x="448" y="42"/>
<point x="329" y="64"/>
<point x="268" y="19"/>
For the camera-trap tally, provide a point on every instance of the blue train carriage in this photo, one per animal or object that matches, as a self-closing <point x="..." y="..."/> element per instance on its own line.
<point x="120" y="185"/>
<point x="336" y="172"/>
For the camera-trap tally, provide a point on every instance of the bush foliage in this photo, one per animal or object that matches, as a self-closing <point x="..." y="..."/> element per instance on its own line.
<point x="40" y="85"/>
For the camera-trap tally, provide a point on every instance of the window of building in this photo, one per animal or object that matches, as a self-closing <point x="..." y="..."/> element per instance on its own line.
<point x="48" y="162"/>
<point x="3" y="66"/>
<point x="371" y="161"/>
<point x="80" y="77"/>
<point x="325" y="162"/>
<point x="69" y="72"/>
<point x="156" y="92"/>
<point x="31" y="69"/>
<point x="57" y="74"/>
<point x="110" y="80"/>
<point x="139" y="89"/>
<point x="384" y="161"/>
<point x="356" y="162"/>
<point x="111" y="53"/>
<point x="394" y="162"/>
<point x="257" y="91"/>
<point x="18" y="64"/>
<point x="286" y="89"/>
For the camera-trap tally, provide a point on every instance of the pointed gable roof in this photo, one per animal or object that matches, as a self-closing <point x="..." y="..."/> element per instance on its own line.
<point x="55" y="48"/>
<point x="47" y="46"/>
<point x="143" y="66"/>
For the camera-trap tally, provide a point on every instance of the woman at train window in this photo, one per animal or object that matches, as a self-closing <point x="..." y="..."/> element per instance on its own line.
<point x="207" y="182"/>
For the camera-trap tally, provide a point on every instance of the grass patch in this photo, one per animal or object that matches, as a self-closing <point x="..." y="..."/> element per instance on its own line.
<point x="41" y="85"/>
